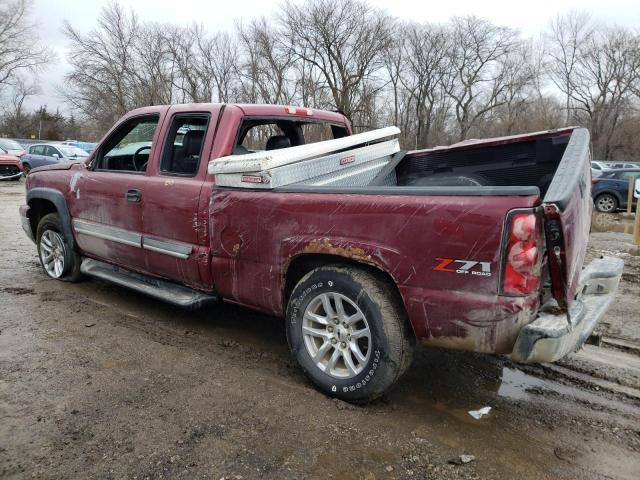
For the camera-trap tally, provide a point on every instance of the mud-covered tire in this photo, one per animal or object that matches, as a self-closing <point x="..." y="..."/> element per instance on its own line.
<point x="391" y="343"/>
<point x="50" y="225"/>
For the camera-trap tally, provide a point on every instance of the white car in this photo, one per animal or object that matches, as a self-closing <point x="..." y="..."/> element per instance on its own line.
<point x="598" y="168"/>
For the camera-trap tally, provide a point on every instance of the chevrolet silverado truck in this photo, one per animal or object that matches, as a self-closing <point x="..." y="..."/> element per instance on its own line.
<point x="478" y="246"/>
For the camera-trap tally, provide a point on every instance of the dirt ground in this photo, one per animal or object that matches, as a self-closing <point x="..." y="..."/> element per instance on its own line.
<point x="100" y="382"/>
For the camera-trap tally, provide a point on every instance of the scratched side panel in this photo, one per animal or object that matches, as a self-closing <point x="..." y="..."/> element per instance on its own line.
<point x="256" y="234"/>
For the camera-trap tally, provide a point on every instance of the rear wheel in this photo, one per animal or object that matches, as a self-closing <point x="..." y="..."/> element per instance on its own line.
<point x="57" y="258"/>
<point x="348" y="331"/>
<point x="606" y="203"/>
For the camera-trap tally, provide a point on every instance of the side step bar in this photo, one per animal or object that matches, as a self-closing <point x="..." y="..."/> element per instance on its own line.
<point x="174" y="293"/>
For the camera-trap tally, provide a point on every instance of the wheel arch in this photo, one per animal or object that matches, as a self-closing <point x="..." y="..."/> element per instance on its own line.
<point x="43" y="201"/>
<point x="304" y="263"/>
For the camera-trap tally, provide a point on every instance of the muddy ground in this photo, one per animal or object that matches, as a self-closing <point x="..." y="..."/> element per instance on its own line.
<point x="100" y="382"/>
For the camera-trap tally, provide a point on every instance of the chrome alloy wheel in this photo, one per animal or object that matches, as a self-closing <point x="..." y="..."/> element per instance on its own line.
<point x="52" y="252"/>
<point x="606" y="203"/>
<point x="337" y="335"/>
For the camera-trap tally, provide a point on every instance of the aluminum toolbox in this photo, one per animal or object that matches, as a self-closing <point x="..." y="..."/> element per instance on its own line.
<point x="265" y="160"/>
<point x="354" y="167"/>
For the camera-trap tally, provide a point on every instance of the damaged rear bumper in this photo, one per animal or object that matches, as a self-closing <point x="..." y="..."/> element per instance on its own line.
<point x="553" y="335"/>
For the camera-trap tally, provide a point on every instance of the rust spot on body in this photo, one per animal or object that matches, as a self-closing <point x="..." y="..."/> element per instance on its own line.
<point x="326" y="247"/>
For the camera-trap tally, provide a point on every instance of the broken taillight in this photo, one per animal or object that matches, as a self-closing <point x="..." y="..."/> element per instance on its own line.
<point x="523" y="256"/>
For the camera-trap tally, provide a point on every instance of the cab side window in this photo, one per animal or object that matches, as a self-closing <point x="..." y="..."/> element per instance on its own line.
<point x="184" y="144"/>
<point x="129" y="147"/>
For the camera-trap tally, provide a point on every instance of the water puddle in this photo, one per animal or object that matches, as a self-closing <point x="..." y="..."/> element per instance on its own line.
<point x="517" y="385"/>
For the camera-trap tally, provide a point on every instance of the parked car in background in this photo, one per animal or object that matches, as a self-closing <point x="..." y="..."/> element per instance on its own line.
<point x="11" y="147"/>
<point x="86" y="146"/>
<point x="622" y="165"/>
<point x="50" y="153"/>
<point x="610" y="190"/>
<point x="597" y="168"/>
<point x="10" y="168"/>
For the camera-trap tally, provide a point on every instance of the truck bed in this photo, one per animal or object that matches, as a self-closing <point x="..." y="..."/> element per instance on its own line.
<point x="405" y="222"/>
<point x="528" y="160"/>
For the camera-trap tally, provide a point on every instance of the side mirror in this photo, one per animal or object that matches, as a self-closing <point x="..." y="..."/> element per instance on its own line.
<point x="55" y="155"/>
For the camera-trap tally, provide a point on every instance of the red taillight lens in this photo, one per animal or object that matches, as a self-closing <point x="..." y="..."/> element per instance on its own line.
<point x="523" y="259"/>
<point x="594" y="181"/>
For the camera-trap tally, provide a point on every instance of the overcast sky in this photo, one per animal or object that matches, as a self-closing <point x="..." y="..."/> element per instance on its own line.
<point x="529" y="17"/>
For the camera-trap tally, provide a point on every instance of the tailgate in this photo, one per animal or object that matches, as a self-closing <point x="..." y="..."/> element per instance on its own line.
<point x="567" y="210"/>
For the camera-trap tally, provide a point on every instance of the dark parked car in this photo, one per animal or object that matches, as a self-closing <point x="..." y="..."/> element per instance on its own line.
<point x="49" y="154"/>
<point x="610" y="190"/>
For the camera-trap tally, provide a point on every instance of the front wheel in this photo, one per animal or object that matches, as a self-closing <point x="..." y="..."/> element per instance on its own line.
<point x="57" y="258"/>
<point x="606" y="203"/>
<point x="348" y="331"/>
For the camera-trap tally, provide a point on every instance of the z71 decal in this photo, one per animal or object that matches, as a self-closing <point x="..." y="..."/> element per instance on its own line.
<point x="473" y="267"/>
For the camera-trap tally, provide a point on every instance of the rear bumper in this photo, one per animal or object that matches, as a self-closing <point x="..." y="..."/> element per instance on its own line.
<point x="553" y="335"/>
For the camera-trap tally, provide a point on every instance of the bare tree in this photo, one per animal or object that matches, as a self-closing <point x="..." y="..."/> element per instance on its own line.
<point x="20" y="48"/>
<point x="607" y="68"/>
<point x="154" y="74"/>
<point x="267" y="73"/>
<point x="218" y="60"/>
<point x="438" y="82"/>
<point x="520" y="74"/>
<point x="477" y="55"/>
<point x="102" y="82"/>
<point x="565" y="38"/>
<point x="425" y="73"/>
<point x="343" y="39"/>
<point x="13" y="110"/>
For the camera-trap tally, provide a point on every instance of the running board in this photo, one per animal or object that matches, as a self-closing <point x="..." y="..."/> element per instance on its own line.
<point x="170" y="292"/>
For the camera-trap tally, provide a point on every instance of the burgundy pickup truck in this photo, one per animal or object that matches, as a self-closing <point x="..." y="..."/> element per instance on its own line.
<point x="478" y="246"/>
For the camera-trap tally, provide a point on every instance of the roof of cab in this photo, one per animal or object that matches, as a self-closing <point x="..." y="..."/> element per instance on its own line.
<point x="259" y="110"/>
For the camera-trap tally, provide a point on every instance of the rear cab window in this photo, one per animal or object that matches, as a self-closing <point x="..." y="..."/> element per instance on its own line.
<point x="259" y="134"/>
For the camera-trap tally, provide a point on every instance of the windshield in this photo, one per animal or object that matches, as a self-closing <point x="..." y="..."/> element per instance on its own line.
<point x="68" y="151"/>
<point x="8" y="144"/>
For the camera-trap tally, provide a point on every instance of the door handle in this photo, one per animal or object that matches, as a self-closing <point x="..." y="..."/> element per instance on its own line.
<point x="134" y="195"/>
